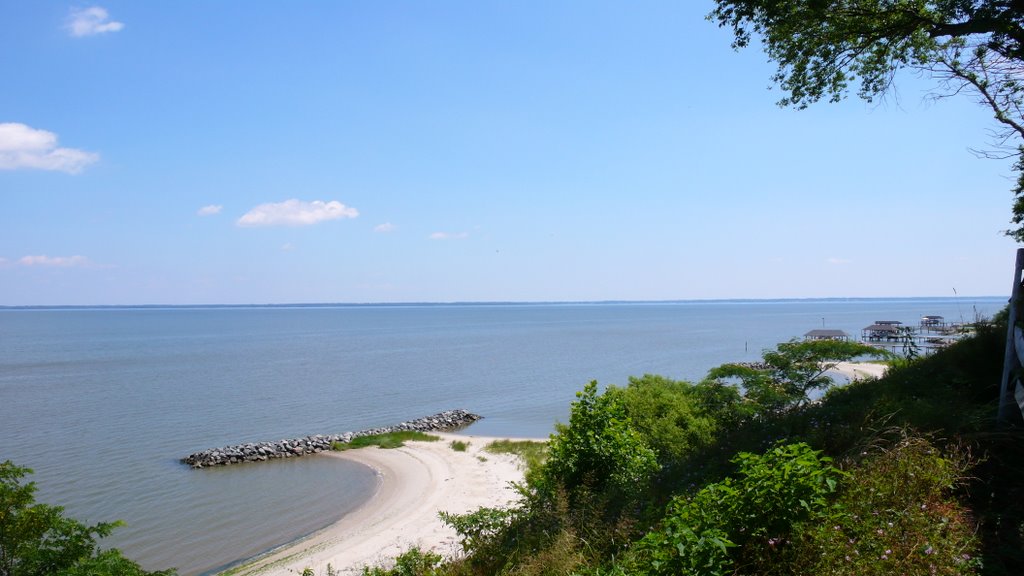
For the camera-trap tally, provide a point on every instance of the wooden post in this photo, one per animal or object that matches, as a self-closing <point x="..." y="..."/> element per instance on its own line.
<point x="1010" y="361"/>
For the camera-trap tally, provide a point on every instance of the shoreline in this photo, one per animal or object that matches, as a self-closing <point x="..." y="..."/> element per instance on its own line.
<point x="414" y="483"/>
<point x="858" y="370"/>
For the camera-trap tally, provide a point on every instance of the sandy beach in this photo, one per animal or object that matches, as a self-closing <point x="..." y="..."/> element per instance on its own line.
<point x="414" y="483"/>
<point x="859" y="370"/>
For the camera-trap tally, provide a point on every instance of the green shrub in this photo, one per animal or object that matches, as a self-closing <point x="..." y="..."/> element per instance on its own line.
<point x="599" y="450"/>
<point x="707" y="533"/>
<point x="690" y="539"/>
<point x="894" y="515"/>
<point x="459" y="445"/>
<point x="479" y="528"/>
<point x="667" y="413"/>
<point x="413" y="562"/>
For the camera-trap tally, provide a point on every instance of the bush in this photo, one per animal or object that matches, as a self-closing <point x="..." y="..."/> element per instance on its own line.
<point x="599" y="450"/>
<point x="413" y="562"/>
<point x="894" y="515"/>
<point x="479" y="529"/>
<point x="571" y="511"/>
<point x="707" y="533"/>
<point x="667" y="413"/>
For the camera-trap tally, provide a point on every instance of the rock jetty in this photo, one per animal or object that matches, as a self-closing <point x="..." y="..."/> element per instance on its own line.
<point x="261" y="451"/>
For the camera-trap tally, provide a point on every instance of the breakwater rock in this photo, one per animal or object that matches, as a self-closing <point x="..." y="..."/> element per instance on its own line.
<point x="754" y="365"/>
<point x="261" y="451"/>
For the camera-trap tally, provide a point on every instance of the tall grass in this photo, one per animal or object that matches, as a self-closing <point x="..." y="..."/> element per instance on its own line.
<point x="388" y="440"/>
<point x="532" y="452"/>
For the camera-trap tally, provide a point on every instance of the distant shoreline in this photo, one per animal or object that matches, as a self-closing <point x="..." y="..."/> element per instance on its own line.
<point x="540" y="303"/>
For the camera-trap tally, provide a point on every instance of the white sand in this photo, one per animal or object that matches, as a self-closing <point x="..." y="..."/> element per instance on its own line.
<point x="858" y="370"/>
<point x="415" y="482"/>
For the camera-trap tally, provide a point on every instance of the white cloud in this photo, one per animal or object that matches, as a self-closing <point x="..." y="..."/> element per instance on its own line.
<point x="55" y="261"/>
<point x="91" y="21"/>
<point x="210" y="210"/>
<point x="287" y="247"/>
<point x="296" y="213"/>
<point x="384" y="228"/>
<point x="834" y="260"/>
<point x="449" y="235"/>
<point x="22" y="146"/>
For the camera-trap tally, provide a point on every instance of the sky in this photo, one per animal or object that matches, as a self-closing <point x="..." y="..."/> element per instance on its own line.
<point x="249" y="152"/>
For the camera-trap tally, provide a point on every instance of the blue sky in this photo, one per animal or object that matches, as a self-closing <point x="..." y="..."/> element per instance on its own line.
<point x="255" y="152"/>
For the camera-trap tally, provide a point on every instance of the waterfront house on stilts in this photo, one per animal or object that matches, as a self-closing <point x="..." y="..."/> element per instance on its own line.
<point x="882" y="331"/>
<point x="935" y="324"/>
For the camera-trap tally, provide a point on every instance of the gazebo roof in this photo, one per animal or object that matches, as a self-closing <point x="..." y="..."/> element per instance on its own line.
<point x="883" y="327"/>
<point x="821" y="333"/>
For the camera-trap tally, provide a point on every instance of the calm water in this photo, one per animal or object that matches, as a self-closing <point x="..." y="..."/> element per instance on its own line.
<point x="102" y="402"/>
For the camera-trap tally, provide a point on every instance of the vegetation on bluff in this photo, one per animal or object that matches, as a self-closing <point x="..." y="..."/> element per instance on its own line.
<point x="907" y="474"/>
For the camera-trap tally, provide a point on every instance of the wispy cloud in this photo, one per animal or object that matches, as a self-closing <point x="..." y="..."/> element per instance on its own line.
<point x="837" y="261"/>
<point x="210" y="210"/>
<point x="449" y="235"/>
<point x="287" y="247"/>
<point x="384" y="228"/>
<point x="22" y="146"/>
<point x="56" y="261"/>
<point x="296" y="213"/>
<point x="91" y="21"/>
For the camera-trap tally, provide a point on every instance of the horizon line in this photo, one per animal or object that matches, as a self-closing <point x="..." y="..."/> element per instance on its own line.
<point x="484" y="302"/>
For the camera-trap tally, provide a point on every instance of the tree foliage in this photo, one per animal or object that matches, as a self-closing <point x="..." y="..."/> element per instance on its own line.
<point x="822" y="47"/>
<point x="704" y="533"/>
<point x="38" y="540"/>
<point x="791" y="371"/>
<point x="599" y="450"/>
<point x="670" y="414"/>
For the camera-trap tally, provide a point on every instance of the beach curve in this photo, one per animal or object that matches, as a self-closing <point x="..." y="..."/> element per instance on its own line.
<point x="414" y="483"/>
<point x="858" y="370"/>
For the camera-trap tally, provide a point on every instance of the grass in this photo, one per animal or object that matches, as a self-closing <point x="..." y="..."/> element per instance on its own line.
<point x="532" y="452"/>
<point x="389" y="440"/>
<point x="459" y="445"/>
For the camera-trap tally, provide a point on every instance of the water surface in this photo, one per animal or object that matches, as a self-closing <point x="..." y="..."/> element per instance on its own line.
<point x="103" y="402"/>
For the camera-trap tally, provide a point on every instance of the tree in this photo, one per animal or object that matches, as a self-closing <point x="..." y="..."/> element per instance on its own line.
<point x="823" y="46"/>
<point x="791" y="371"/>
<point x="38" y="540"/>
<point x="669" y="414"/>
<point x="599" y="450"/>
